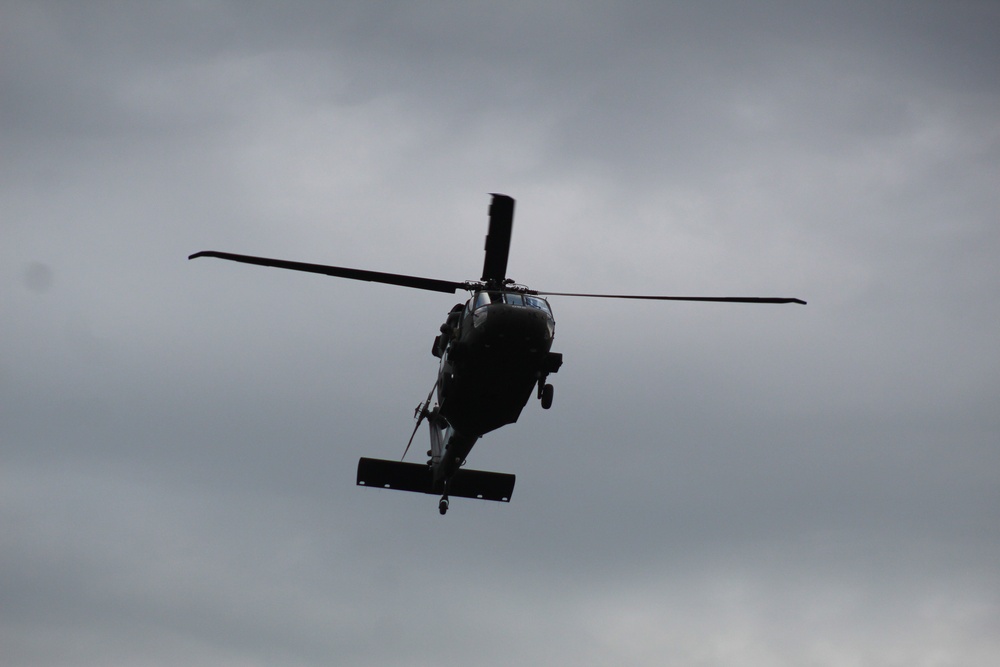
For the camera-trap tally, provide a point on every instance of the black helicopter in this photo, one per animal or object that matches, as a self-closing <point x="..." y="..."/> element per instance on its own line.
<point x="495" y="352"/>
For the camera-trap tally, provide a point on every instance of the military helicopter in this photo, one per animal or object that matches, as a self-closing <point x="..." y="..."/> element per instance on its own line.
<point x="494" y="351"/>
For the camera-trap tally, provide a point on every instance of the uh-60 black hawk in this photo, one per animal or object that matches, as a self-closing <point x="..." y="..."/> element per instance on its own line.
<point x="495" y="352"/>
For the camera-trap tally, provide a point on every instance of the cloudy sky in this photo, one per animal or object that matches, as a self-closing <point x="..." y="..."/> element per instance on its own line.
<point x="715" y="485"/>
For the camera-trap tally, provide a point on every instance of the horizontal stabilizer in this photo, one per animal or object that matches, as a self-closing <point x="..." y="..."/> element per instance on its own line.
<point x="416" y="477"/>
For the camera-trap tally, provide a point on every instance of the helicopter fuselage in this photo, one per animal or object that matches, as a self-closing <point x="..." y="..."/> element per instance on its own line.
<point x="495" y="351"/>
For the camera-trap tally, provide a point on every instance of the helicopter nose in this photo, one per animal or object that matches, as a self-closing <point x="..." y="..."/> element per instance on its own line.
<point x="518" y="325"/>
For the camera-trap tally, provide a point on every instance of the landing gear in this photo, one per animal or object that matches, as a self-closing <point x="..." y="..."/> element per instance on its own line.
<point x="545" y="394"/>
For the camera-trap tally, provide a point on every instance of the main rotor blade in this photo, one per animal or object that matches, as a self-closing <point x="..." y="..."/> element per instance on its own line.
<point x="726" y="299"/>
<point x="498" y="238"/>
<point x="342" y="272"/>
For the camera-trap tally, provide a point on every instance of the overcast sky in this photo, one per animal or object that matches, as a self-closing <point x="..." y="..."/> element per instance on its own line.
<point x="715" y="485"/>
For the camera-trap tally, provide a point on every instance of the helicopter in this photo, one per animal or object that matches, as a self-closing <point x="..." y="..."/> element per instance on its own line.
<point x="494" y="351"/>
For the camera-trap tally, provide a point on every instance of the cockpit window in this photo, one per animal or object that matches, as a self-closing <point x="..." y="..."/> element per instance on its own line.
<point x="537" y="302"/>
<point x="482" y="299"/>
<point x="513" y="299"/>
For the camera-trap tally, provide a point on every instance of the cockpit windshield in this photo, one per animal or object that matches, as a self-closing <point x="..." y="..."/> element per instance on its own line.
<point x="513" y="299"/>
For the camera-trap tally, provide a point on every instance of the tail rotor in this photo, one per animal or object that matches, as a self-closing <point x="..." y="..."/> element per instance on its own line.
<point x="420" y="413"/>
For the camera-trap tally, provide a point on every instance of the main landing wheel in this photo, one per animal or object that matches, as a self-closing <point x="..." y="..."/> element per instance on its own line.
<point x="443" y="506"/>
<point x="547" y="393"/>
